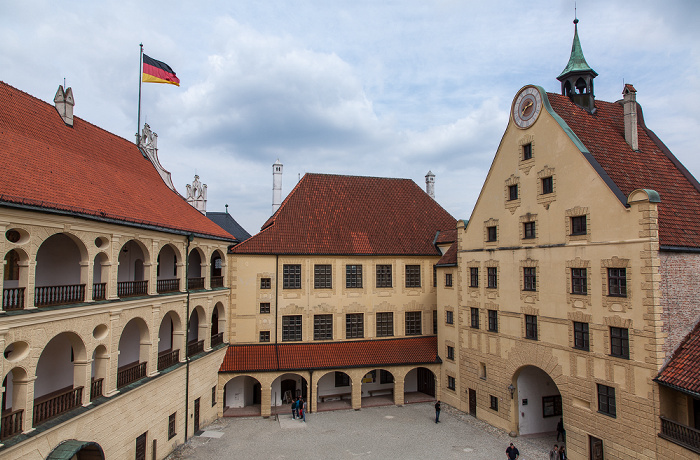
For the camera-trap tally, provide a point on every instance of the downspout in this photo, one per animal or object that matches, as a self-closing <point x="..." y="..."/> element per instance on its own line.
<point x="277" y="273"/>
<point x="190" y="238"/>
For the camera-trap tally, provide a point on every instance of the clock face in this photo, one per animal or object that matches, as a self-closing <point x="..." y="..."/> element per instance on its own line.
<point x="527" y="107"/>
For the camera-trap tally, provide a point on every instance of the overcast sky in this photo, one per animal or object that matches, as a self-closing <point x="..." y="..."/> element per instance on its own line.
<point x="376" y="88"/>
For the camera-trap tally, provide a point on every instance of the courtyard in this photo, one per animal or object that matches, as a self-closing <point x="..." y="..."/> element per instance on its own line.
<point x="386" y="432"/>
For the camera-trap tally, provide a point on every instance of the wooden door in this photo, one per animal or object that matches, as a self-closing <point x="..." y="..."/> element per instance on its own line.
<point x="596" y="447"/>
<point x="472" y="402"/>
<point x="141" y="447"/>
<point x="196" y="415"/>
<point x="426" y="381"/>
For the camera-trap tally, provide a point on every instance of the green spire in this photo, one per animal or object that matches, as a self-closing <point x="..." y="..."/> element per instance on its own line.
<point x="577" y="63"/>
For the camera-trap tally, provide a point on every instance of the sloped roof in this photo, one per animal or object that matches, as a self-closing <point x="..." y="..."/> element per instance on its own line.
<point x="653" y="166"/>
<point x="330" y="355"/>
<point x="84" y="171"/>
<point x="338" y="215"/>
<point x="446" y="236"/>
<point x="682" y="372"/>
<point x="228" y="223"/>
<point x="449" y="259"/>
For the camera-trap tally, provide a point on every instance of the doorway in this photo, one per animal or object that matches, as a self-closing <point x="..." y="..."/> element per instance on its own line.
<point x="426" y="381"/>
<point x="596" y="448"/>
<point x="539" y="401"/>
<point x="472" y="402"/>
<point x="196" y="415"/>
<point x="288" y="387"/>
<point x="141" y="447"/>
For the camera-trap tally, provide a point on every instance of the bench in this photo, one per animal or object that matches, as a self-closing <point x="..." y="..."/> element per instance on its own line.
<point x="333" y="396"/>
<point x="383" y="391"/>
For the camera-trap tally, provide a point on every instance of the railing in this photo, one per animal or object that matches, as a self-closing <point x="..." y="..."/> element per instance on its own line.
<point x="168" y="358"/>
<point x="172" y="285"/>
<point x="130" y="373"/>
<point x="132" y="288"/>
<point x="195" y="283"/>
<point x="217" y="339"/>
<point x="195" y="347"/>
<point x="96" y="388"/>
<point x="63" y="402"/>
<point x="59" y="295"/>
<point x="11" y="424"/>
<point x="680" y="434"/>
<point x="217" y="281"/>
<point x="13" y="299"/>
<point x="99" y="291"/>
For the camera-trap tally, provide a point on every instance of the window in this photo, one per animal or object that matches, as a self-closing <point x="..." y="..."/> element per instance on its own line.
<point x="354" y="326"/>
<point x="264" y="307"/>
<point x="450" y="353"/>
<point x="619" y="342"/>
<point x="547" y="185"/>
<point x="578" y="225"/>
<point x="527" y="151"/>
<point x="531" y="327"/>
<point x="494" y="403"/>
<point x="435" y="322"/>
<point x="482" y="371"/>
<point x="265" y="283"/>
<point x="579" y="281"/>
<point x="475" y="317"/>
<point x="384" y="276"/>
<point x="434" y="275"/>
<point x="291" y="276"/>
<point x="606" y="400"/>
<point x="353" y="276"/>
<point x="448" y="279"/>
<point x="413" y="323"/>
<point x="451" y="384"/>
<point x="581" y="336"/>
<point x="529" y="230"/>
<point x="491" y="234"/>
<point x="385" y="324"/>
<point x="213" y="396"/>
<point x="323" y="327"/>
<point x="342" y="379"/>
<point x="493" y="321"/>
<point x="412" y="276"/>
<point x="171" y="426"/>
<point x="551" y="406"/>
<point x="512" y="192"/>
<point x="385" y="377"/>
<point x="617" y="282"/>
<point x="323" y="277"/>
<point x="449" y="317"/>
<point x="474" y="277"/>
<point x="492" y="277"/>
<point x="529" y="278"/>
<point x="291" y="328"/>
<point x="264" y="336"/>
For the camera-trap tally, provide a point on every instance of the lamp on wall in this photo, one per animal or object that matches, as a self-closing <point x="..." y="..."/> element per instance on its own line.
<point x="511" y="388"/>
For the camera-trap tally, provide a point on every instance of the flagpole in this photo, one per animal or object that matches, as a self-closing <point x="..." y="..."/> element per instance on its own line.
<point x="138" y="123"/>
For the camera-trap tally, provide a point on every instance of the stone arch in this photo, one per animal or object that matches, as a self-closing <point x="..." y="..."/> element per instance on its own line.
<point x="168" y="259"/>
<point x="333" y="387"/>
<point x="15" y="279"/>
<point x="14" y="400"/>
<point x="218" y="323"/>
<point x="171" y="340"/>
<point x="134" y="261"/>
<point x="78" y="450"/>
<point x="196" y="260"/>
<point x="61" y="270"/>
<point x="378" y="387"/>
<point x="100" y="275"/>
<point x="134" y="342"/>
<point x="98" y="371"/>
<point x="282" y="387"/>
<point x="242" y="396"/>
<point x="217" y="271"/>
<point x="420" y="382"/>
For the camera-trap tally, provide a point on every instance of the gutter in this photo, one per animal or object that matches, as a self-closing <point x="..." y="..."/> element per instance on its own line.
<point x="187" y="335"/>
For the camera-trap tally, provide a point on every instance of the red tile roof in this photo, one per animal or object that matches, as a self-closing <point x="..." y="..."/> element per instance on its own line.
<point x="338" y="215"/>
<point x="84" y="170"/>
<point x="652" y="167"/>
<point x="330" y="355"/>
<point x="446" y="236"/>
<point x="683" y="370"/>
<point x="450" y="257"/>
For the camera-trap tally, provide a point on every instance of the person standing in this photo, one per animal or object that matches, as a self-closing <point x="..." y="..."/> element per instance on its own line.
<point x="562" y="453"/>
<point x="303" y="410"/>
<point x="294" y="409"/>
<point x="560" y="430"/>
<point x="554" y="453"/>
<point x="437" y="411"/>
<point x="512" y="452"/>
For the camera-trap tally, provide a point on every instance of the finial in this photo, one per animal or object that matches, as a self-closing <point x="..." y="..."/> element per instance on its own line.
<point x="575" y="14"/>
<point x="226" y="209"/>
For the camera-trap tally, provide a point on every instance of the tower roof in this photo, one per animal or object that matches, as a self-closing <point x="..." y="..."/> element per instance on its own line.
<point x="577" y="63"/>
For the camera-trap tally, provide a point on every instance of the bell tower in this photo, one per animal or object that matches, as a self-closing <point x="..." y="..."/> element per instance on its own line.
<point x="577" y="78"/>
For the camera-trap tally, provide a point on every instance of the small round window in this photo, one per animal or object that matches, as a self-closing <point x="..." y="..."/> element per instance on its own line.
<point x="13" y="236"/>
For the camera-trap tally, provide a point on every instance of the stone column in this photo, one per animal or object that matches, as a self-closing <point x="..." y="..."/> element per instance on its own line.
<point x="110" y="382"/>
<point x="356" y="393"/>
<point x="207" y="275"/>
<point x="399" y="390"/>
<point x="81" y="378"/>
<point x="155" y="339"/>
<point x="265" y="399"/>
<point x="179" y="344"/>
<point x="28" y="419"/>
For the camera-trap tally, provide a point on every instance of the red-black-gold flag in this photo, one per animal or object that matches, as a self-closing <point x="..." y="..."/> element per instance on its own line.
<point x="158" y="72"/>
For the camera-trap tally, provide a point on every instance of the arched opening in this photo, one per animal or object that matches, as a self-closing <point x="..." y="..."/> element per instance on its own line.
<point x="77" y="450"/>
<point x="14" y="399"/>
<point x="60" y="377"/>
<point x="14" y="280"/>
<point x="377" y="388"/>
<point x="134" y="348"/>
<point x="567" y="88"/>
<point x="132" y="277"/>
<point x="195" y="280"/>
<point x="100" y="364"/>
<point x="419" y="385"/>
<point x="581" y="87"/>
<point x="334" y="391"/>
<point x="166" y="271"/>
<point x="218" y="324"/>
<point x="59" y="277"/>
<point x="169" y="341"/>
<point x="100" y="275"/>
<point x="217" y="274"/>
<point x="196" y="332"/>
<point x="284" y="389"/>
<point x="538" y="401"/>
<point x="242" y="396"/>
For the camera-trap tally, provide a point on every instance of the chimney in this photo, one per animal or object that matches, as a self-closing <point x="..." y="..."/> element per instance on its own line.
<point x="430" y="184"/>
<point x="64" y="104"/>
<point x="629" y="104"/>
<point x="276" y="185"/>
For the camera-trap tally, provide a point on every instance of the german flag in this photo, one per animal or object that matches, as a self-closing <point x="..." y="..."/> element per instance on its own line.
<point x="158" y="72"/>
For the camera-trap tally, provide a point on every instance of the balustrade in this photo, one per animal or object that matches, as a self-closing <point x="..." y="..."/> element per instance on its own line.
<point x="11" y="424"/>
<point x="171" y="285"/>
<point x="680" y="434"/>
<point x="217" y="281"/>
<point x="96" y="388"/>
<point x="99" y="291"/>
<point x="13" y="299"/>
<point x="45" y="296"/>
<point x="130" y="373"/>
<point x="47" y="407"/>
<point x="195" y="283"/>
<point x="217" y="339"/>
<point x="132" y="288"/>
<point x="168" y="358"/>
<point x="195" y="347"/>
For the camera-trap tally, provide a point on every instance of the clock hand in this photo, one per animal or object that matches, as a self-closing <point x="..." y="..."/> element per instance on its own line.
<point x="525" y="108"/>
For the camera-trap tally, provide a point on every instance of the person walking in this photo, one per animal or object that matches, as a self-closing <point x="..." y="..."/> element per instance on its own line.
<point x="303" y="410"/>
<point x="554" y="453"/>
<point x="512" y="453"/>
<point x="560" y="430"/>
<point x="437" y="411"/>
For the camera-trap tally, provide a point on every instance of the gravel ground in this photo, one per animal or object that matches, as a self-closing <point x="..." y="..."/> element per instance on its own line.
<point x="387" y="432"/>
